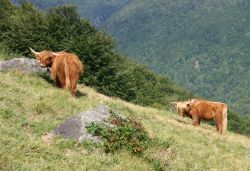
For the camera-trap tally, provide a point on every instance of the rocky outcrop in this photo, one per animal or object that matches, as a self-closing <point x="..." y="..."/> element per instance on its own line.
<point x="75" y="127"/>
<point x="22" y="64"/>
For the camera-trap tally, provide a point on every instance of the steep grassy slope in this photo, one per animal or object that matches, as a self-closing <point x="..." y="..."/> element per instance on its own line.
<point x="170" y="36"/>
<point x="30" y="107"/>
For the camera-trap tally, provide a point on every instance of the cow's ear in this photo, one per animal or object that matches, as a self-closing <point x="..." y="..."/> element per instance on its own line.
<point x="38" y="57"/>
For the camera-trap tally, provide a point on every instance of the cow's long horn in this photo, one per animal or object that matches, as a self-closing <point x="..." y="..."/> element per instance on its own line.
<point x="62" y="51"/>
<point x="58" y="53"/>
<point x="55" y="54"/>
<point x="36" y="53"/>
<point x="174" y="102"/>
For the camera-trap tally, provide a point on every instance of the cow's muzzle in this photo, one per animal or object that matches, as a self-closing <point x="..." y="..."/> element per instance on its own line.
<point x="42" y="66"/>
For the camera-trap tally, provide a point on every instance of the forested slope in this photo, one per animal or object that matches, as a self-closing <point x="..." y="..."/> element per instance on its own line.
<point x="97" y="11"/>
<point x="172" y="36"/>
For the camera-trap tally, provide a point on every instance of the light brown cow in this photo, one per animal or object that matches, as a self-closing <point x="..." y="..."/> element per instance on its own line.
<point x="66" y="68"/>
<point x="199" y="109"/>
<point x="208" y="110"/>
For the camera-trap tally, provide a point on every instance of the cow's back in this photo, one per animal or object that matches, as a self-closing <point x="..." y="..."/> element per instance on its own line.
<point x="66" y="60"/>
<point x="218" y="105"/>
<point x="204" y="110"/>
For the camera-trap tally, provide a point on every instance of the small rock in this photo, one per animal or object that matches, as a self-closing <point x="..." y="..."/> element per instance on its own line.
<point x="23" y="64"/>
<point x="75" y="127"/>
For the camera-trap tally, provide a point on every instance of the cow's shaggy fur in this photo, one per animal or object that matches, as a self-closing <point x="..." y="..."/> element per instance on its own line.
<point x="198" y="110"/>
<point x="66" y="68"/>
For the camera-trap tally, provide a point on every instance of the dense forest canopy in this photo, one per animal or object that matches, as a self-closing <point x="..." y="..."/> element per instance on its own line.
<point x="97" y="11"/>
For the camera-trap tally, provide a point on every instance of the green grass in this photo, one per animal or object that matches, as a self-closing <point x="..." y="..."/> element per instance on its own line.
<point x="6" y="54"/>
<point x="30" y="107"/>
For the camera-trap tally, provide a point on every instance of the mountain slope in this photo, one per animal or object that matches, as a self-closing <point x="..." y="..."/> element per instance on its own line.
<point x="24" y="120"/>
<point x="171" y="36"/>
<point x="95" y="10"/>
<point x="110" y="72"/>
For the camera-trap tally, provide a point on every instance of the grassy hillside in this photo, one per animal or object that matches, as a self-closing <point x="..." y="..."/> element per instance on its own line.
<point x="30" y="107"/>
<point x="170" y="36"/>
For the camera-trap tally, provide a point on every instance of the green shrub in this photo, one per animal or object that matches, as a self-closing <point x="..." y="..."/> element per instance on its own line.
<point x="238" y="124"/>
<point x="122" y="133"/>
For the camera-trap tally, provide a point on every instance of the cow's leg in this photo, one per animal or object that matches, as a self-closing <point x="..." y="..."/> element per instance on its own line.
<point x="58" y="84"/>
<point x="217" y="127"/>
<point x="74" y="80"/>
<point x="218" y="121"/>
<point x="62" y="82"/>
<point x="220" y="128"/>
<point x="73" y="89"/>
<point x="196" y="121"/>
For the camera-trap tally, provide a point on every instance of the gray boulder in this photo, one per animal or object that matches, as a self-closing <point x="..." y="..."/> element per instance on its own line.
<point x="27" y="65"/>
<point x="75" y="127"/>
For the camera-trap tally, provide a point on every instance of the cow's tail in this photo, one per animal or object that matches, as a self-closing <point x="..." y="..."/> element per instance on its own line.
<point x="81" y="66"/>
<point x="67" y="77"/>
<point x="224" y="117"/>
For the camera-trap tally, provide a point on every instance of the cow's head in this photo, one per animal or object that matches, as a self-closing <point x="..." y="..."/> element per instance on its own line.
<point x="183" y="107"/>
<point x="45" y="58"/>
<point x="191" y="109"/>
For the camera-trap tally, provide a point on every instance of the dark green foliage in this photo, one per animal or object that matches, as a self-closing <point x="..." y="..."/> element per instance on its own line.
<point x="238" y="124"/>
<point x="96" y="11"/>
<point x="141" y="83"/>
<point x="124" y="133"/>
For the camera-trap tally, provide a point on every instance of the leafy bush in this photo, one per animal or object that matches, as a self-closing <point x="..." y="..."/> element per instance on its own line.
<point x="238" y="124"/>
<point x="123" y="133"/>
